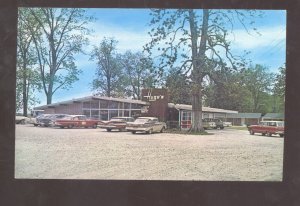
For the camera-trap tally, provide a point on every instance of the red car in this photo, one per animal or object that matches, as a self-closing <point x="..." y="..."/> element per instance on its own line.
<point x="268" y="128"/>
<point x="76" y="121"/>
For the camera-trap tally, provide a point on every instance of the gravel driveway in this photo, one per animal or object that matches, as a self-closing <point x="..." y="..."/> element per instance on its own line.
<point x="231" y="155"/>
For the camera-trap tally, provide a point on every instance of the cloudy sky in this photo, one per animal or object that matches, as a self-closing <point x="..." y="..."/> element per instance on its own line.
<point x="130" y="27"/>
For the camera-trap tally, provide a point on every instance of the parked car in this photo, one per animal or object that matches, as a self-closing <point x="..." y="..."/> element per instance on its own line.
<point x="227" y="124"/>
<point x="207" y="124"/>
<point x="268" y="128"/>
<point x="21" y="120"/>
<point x="48" y="120"/>
<point x="117" y="123"/>
<point x="71" y="121"/>
<point x="147" y="125"/>
<point x="218" y="123"/>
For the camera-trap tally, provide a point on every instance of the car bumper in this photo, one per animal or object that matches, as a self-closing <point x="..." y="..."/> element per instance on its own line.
<point x="137" y="129"/>
<point x="110" y="127"/>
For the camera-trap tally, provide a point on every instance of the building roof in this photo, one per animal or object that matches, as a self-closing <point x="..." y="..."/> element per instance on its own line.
<point x="273" y="116"/>
<point x="88" y="98"/>
<point x="204" y="109"/>
<point x="245" y="115"/>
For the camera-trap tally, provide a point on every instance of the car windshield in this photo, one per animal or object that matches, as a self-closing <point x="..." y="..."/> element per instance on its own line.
<point x="141" y="120"/>
<point x="117" y="119"/>
<point x="280" y="124"/>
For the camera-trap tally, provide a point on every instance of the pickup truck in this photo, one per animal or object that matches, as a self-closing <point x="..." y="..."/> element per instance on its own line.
<point x="268" y="128"/>
<point x="76" y="121"/>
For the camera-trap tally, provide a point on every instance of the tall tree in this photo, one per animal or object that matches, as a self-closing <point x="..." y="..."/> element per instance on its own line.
<point x="139" y="73"/>
<point x="27" y="76"/>
<point x="109" y="75"/>
<point x="63" y="35"/>
<point x="179" y="87"/>
<point x="258" y="80"/>
<point x="189" y="38"/>
<point x="279" y="89"/>
<point x="227" y="91"/>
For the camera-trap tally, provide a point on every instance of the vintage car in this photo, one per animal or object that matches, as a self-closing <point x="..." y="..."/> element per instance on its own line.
<point x="268" y="128"/>
<point x="71" y="121"/>
<point x="116" y="123"/>
<point x="207" y="124"/>
<point x="48" y="120"/>
<point x="227" y="124"/>
<point x="147" y="125"/>
<point x="21" y="120"/>
<point x="218" y="123"/>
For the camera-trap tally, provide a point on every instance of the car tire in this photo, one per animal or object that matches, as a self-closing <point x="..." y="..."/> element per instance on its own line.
<point x="221" y="127"/>
<point x="35" y="125"/>
<point x="162" y="129"/>
<point x="263" y="134"/>
<point x="70" y="126"/>
<point x="251" y="132"/>
<point x="109" y="130"/>
<point x="133" y="132"/>
<point x="61" y="127"/>
<point x="94" y="126"/>
<point x="281" y="135"/>
<point x="269" y="134"/>
<point x="150" y="131"/>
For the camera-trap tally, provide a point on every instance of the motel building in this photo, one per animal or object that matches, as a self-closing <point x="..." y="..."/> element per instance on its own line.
<point x="154" y="102"/>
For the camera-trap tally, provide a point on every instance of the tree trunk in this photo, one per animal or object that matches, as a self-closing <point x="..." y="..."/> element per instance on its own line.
<point x="198" y="57"/>
<point x="197" y="110"/>
<point x="24" y="96"/>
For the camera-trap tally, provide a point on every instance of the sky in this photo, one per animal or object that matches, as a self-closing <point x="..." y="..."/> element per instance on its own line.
<point x="130" y="27"/>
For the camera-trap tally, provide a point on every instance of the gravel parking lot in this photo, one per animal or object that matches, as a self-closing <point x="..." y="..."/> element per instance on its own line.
<point x="230" y="155"/>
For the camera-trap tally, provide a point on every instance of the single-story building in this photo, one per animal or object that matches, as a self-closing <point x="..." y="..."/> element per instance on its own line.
<point x="273" y="117"/>
<point x="240" y="119"/>
<point x="184" y="114"/>
<point x="154" y="102"/>
<point x="97" y="107"/>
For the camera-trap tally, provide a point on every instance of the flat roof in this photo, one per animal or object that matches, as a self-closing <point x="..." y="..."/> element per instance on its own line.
<point x="89" y="98"/>
<point x="245" y="115"/>
<point x="204" y="109"/>
<point x="274" y="116"/>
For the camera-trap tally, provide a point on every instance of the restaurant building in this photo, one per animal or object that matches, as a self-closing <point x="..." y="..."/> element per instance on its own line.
<point x="154" y="102"/>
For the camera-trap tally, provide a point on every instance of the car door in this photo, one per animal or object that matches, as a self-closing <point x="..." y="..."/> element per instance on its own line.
<point x="157" y="125"/>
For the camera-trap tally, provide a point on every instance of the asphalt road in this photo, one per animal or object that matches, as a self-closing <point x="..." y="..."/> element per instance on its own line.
<point x="226" y="155"/>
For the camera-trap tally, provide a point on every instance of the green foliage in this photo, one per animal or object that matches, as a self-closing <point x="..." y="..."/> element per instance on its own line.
<point x="249" y="90"/>
<point x="62" y="35"/>
<point x="27" y="76"/>
<point x="109" y="74"/>
<point x="197" y="42"/>
<point x="139" y="73"/>
<point x="178" y="87"/>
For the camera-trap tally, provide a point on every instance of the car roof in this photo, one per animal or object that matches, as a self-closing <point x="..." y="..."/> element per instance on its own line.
<point x="271" y="121"/>
<point x="147" y="117"/>
<point x="121" y="117"/>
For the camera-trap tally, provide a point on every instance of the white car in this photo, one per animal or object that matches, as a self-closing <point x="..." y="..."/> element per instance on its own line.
<point x="147" y="125"/>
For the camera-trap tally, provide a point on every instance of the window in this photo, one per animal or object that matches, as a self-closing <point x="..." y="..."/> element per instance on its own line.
<point x="86" y="113"/>
<point x="113" y="113"/>
<point x="113" y="105"/>
<point x="126" y="106"/>
<point x="95" y="104"/>
<point x="87" y="105"/>
<point x="95" y="114"/>
<point x="186" y="115"/>
<point x="104" y="115"/>
<point x="103" y="104"/>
